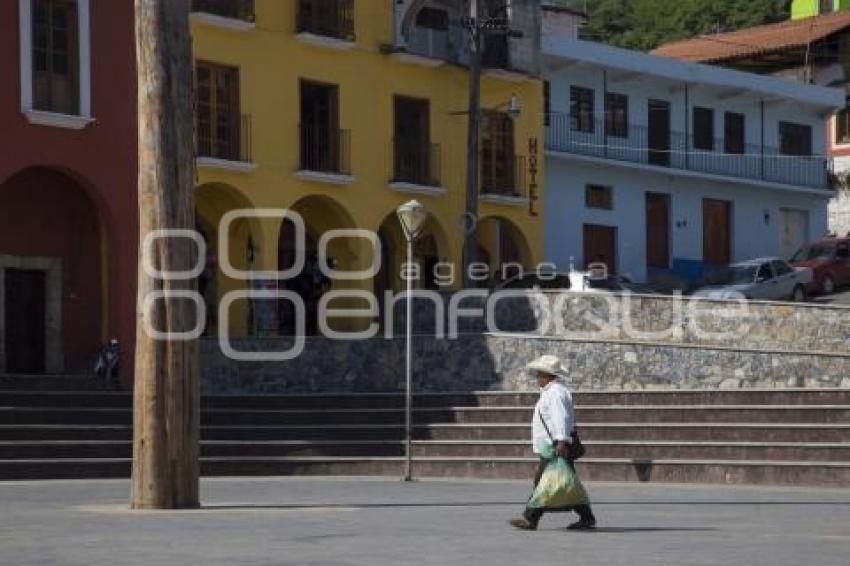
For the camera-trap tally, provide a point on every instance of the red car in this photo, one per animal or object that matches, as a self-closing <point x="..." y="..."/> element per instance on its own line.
<point x="829" y="259"/>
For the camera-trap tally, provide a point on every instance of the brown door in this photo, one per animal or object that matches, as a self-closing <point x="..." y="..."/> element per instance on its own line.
<point x="716" y="232"/>
<point x="658" y="132"/>
<point x="25" y="329"/>
<point x="600" y="246"/>
<point x="657" y="230"/>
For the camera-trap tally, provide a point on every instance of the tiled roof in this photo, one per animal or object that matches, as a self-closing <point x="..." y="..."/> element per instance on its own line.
<point x="756" y="41"/>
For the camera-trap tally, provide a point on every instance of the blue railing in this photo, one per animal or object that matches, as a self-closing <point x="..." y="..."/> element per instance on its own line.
<point x="634" y="145"/>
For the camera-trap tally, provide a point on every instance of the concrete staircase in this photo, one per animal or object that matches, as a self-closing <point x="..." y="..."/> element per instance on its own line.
<point x="66" y="427"/>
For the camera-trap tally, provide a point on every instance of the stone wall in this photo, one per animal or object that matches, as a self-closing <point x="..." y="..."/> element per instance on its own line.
<point x="784" y="346"/>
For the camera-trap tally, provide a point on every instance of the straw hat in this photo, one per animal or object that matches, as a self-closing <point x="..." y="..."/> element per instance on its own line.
<point x="548" y="364"/>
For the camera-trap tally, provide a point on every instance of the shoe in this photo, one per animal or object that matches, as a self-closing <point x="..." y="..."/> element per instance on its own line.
<point x="582" y="526"/>
<point x="523" y="524"/>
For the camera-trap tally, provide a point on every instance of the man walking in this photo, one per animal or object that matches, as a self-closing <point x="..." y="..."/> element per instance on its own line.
<point x="553" y="421"/>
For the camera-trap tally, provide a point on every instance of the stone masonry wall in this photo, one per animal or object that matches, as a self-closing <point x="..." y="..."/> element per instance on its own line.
<point x="783" y="346"/>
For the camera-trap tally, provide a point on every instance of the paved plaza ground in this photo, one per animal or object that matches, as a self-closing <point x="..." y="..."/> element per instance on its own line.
<point x="341" y="522"/>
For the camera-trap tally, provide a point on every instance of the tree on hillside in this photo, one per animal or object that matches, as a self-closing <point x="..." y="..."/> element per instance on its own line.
<point x="645" y="24"/>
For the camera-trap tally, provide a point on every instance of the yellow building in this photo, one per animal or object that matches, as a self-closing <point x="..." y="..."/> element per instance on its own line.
<point x="341" y="110"/>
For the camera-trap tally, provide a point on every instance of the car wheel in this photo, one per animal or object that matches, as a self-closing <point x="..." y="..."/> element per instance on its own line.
<point x="828" y="285"/>
<point x="799" y="294"/>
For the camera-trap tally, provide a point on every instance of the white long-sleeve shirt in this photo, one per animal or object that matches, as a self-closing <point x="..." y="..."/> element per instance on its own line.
<point x="556" y="407"/>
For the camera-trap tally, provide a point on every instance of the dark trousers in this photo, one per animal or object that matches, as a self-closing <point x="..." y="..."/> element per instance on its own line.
<point x="584" y="512"/>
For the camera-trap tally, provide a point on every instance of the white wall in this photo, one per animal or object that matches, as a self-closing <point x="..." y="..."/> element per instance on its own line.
<point x="565" y="213"/>
<point x="640" y="89"/>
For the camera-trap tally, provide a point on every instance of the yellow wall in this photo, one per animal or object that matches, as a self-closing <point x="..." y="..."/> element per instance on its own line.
<point x="271" y="62"/>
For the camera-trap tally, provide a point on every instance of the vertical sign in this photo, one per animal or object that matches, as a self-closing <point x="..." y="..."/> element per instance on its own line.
<point x="532" y="176"/>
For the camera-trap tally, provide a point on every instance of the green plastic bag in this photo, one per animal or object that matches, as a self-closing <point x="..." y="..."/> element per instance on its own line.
<point x="559" y="488"/>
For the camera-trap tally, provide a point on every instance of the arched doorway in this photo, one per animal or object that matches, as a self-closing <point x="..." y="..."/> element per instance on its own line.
<point x="212" y="202"/>
<point x="52" y="290"/>
<point x="430" y="249"/>
<point x="502" y="246"/>
<point x="320" y="215"/>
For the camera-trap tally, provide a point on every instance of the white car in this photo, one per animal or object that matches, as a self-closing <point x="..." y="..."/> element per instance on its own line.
<point x="575" y="281"/>
<point x="765" y="279"/>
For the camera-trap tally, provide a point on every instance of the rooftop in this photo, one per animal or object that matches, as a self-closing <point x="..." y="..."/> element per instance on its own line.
<point x="592" y="53"/>
<point x="756" y="41"/>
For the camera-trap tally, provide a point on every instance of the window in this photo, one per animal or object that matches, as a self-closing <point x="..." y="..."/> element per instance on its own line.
<point x="414" y="157"/>
<point x="498" y="161"/>
<point x="795" y="139"/>
<point x="704" y="129"/>
<point x="324" y="147"/>
<point x="55" y="56"/>
<point x="826" y="6"/>
<point x="842" y="126"/>
<point x="433" y="18"/>
<point x="781" y="268"/>
<point x="329" y="18"/>
<point x="764" y="273"/>
<point x="616" y="115"/>
<point x="599" y="196"/>
<point x="218" y="111"/>
<point x="733" y="134"/>
<point x="236" y="9"/>
<point x="581" y="109"/>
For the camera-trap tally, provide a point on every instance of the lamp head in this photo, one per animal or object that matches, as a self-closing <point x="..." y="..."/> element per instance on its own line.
<point x="412" y="216"/>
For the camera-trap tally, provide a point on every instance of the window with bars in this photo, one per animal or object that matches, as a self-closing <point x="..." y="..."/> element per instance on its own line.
<point x="497" y="153"/>
<point x="55" y="56"/>
<point x="616" y="115"/>
<point x="703" y="129"/>
<point x="581" y="109"/>
<point x="218" y="116"/>
<point x="795" y="139"/>
<point x="599" y="196"/>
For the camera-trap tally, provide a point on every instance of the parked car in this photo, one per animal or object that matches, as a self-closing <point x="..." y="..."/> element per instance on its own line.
<point x="829" y="259"/>
<point x="767" y="279"/>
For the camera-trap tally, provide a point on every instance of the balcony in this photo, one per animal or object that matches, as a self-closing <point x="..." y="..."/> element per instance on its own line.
<point x="416" y="166"/>
<point x="503" y="181"/>
<point x="233" y="14"/>
<point x="325" y="155"/>
<point x="754" y="163"/>
<point x="231" y="147"/>
<point x="326" y="22"/>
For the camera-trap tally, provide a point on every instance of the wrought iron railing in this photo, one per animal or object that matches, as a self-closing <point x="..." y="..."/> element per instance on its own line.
<point x="416" y="162"/>
<point x="504" y="178"/>
<point x="329" y="18"/>
<point x="325" y="150"/>
<point x="235" y="9"/>
<point x="235" y="144"/>
<point x="750" y="161"/>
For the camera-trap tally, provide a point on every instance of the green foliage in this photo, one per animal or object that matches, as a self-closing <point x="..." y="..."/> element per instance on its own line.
<point x="645" y="24"/>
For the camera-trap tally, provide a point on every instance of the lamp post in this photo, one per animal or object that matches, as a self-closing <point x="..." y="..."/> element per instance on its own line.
<point x="412" y="217"/>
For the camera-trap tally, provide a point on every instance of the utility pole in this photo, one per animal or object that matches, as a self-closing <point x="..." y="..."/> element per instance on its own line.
<point x="470" y="242"/>
<point x="166" y="401"/>
<point x="477" y="26"/>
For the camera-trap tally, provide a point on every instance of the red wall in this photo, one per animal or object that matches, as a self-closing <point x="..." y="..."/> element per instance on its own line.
<point x="45" y="213"/>
<point x="102" y="157"/>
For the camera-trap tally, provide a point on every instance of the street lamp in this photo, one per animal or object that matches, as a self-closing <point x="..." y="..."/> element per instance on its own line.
<point x="412" y="217"/>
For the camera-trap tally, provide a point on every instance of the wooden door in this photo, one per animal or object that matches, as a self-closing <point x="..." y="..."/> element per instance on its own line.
<point x="600" y="246"/>
<point x="658" y="230"/>
<point x="25" y="304"/>
<point x="658" y="132"/>
<point x="320" y="135"/>
<point x="716" y="232"/>
<point x="412" y="140"/>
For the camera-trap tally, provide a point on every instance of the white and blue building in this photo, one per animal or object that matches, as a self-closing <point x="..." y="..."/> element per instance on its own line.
<point x="655" y="165"/>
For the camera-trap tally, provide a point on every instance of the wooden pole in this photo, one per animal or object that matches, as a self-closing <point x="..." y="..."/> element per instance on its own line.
<point x="166" y="416"/>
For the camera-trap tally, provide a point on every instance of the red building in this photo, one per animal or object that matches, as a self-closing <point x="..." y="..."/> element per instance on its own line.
<point x="68" y="164"/>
